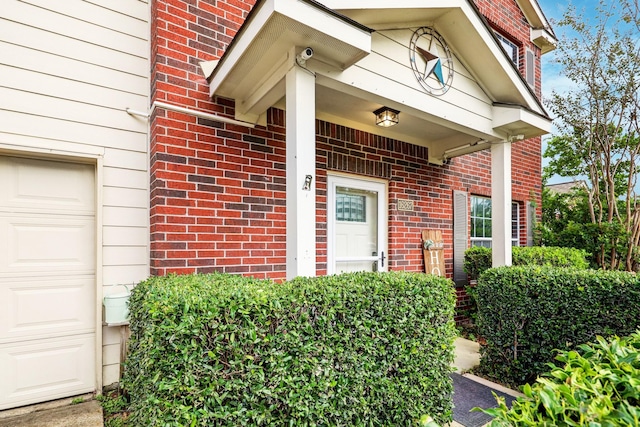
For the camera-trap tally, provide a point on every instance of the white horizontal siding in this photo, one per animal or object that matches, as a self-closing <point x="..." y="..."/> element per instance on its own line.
<point x="37" y="104"/>
<point x="14" y="141"/>
<point x="68" y="37"/>
<point x="390" y="53"/>
<point x="51" y="128"/>
<point x="125" y="217"/>
<point x="57" y="87"/>
<point x="116" y="177"/>
<point x="124" y="18"/>
<point x="68" y="71"/>
<point x="126" y="274"/>
<point x="126" y="197"/>
<point x="72" y="69"/>
<point x="132" y="8"/>
<point x="126" y="255"/>
<point x="394" y="46"/>
<point x="386" y="72"/>
<point x="121" y="236"/>
<point x="125" y="159"/>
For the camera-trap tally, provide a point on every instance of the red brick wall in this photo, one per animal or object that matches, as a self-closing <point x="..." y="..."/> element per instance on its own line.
<point x="218" y="190"/>
<point x="506" y="17"/>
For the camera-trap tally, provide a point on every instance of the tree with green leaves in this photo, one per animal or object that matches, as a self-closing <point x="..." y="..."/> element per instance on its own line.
<point x="598" y="126"/>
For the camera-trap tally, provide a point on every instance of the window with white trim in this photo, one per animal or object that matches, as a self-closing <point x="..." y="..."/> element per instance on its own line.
<point x="510" y="47"/>
<point x="481" y="217"/>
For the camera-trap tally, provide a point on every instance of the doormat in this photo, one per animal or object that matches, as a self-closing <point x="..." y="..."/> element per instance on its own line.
<point x="468" y="394"/>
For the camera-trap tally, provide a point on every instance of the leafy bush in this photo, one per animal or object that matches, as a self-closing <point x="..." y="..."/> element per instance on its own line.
<point x="478" y="259"/>
<point x="598" y="385"/>
<point x="524" y="313"/>
<point x="550" y="256"/>
<point x="357" y="349"/>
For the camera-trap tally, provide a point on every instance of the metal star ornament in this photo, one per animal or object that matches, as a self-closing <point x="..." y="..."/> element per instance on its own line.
<point x="431" y="61"/>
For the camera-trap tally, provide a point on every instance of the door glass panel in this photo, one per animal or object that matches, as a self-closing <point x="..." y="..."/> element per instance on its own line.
<point x="356" y="230"/>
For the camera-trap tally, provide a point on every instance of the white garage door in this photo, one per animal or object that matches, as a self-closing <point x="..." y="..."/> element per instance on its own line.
<point x="47" y="280"/>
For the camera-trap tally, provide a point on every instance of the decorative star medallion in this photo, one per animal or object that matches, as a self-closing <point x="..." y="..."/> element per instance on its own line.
<point x="431" y="60"/>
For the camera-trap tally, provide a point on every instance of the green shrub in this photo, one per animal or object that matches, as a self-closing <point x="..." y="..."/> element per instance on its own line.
<point x="599" y="385"/>
<point x="478" y="259"/>
<point x="525" y="313"/>
<point x="550" y="256"/>
<point x="357" y="349"/>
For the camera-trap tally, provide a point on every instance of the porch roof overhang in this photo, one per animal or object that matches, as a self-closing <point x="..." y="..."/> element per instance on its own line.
<point x="348" y="88"/>
<point x="253" y="67"/>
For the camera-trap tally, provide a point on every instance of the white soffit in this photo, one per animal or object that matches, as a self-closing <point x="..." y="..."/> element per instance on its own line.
<point x="272" y="30"/>
<point x="515" y="120"/>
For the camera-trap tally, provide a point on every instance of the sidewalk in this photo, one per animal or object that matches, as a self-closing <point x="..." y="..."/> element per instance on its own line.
<point x="467" y="356"/>
<point x="57" y="413"/>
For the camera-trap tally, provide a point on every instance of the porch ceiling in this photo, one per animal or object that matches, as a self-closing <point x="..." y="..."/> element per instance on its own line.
<point x="253" y="69"/>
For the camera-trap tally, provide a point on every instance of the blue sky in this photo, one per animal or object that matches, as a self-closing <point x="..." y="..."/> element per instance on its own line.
<point x="554" y="10"/>
<point x="551" y="76"/>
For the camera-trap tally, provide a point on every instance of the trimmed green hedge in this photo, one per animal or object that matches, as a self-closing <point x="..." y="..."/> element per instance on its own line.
<point x="597" y="385"/>
<point x="478" y="259"/>
<point x="526" y="313"/>
<point x="359" y="349"/>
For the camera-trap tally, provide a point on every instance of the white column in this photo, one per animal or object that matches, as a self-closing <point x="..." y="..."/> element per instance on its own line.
<point x="301" y="162"/>
<point x="501" y="203"/>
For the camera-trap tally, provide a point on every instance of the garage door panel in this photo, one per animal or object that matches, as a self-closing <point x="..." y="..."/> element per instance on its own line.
<point x="38" y="243"/>
<point x="47" y="369"/>
<point x="42" y="185"/>
<point x="31" y="309"/>
<point x="47" y="280"/>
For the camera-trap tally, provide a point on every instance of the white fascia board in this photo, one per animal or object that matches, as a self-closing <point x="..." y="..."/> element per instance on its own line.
<point x="532" y="11"/>
<point x="515" y="120"/>
<point x="302" y="18"/>
<point x="241" y="43"/>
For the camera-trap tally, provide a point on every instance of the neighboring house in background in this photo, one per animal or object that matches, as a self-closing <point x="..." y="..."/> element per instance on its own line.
<point x="219" y="178"/>
<point x="566" y="187"/>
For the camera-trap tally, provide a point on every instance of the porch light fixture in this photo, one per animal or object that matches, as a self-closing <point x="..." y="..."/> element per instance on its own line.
<point x="386" y="117"/>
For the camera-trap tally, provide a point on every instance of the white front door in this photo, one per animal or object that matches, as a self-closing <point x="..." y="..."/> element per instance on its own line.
<point x="47" y="280"/>
<point x="356" y="224"/>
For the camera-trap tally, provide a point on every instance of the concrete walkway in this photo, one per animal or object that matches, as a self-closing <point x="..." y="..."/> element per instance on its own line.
<point x="57" y="413"/>
<point x="467" y="356"/>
